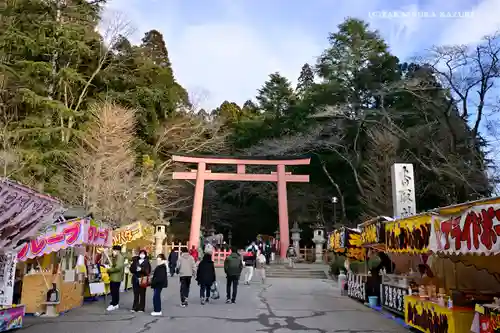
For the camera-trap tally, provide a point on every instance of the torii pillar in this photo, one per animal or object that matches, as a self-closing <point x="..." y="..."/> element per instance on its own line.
<point x="201" y="174"/>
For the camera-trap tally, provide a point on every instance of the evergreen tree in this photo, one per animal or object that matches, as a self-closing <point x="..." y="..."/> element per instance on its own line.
<point x="305" y="81"/>
<point x="276" y="96"/>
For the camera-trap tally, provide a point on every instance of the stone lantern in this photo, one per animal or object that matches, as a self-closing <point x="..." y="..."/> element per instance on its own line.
<point x="296" y="236"/>
<point x="160" y="234"/>
<point x="319" y="240"/>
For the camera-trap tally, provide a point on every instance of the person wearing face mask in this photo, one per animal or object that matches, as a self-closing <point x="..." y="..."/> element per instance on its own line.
<point x="115" y="272"/>
<point x="158" y="282"/>
<point x="140" y="269"/>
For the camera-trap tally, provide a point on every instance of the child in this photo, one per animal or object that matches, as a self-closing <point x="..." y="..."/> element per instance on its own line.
<point x="205" y="276"/>
<point x="159" y="282"/>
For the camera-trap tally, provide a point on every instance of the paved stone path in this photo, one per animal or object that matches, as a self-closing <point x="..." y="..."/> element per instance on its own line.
<point x="280" y="306"/>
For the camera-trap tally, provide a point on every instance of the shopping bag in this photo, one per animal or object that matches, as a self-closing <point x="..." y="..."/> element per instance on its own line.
<point x="214" y="290"/>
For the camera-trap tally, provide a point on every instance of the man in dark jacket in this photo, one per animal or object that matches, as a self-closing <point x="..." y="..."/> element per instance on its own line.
<point x="205" y="275"/>
<point x="172" y="261"/>
<point x="233" y="265"/>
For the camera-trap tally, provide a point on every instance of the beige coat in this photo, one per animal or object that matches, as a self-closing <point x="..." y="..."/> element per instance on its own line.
<point x="186" y="265"/>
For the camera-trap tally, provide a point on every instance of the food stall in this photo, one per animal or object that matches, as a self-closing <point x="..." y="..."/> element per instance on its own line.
<point x="347" y="242"/>
<point x="464" y="241"/>
<point x="407" y="239"/>
<point x="22" y="212"/>
<point x="53" y="257"/>
<point x="391" y="293"/>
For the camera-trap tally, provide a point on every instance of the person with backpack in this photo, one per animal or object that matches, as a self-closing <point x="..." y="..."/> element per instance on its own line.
<point x="158" y="282"/>
<point x="249" y="258"/>
<point x="291" y="254"/>
<point x="205" y="275"/>
<point x="233" y="265"/>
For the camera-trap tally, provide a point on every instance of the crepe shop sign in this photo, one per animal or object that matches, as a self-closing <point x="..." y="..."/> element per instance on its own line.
<point x="63" y="236"/>
<point x="477" y="230"/>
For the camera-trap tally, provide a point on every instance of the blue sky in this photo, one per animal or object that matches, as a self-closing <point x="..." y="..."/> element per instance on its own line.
<point x="225" y="49"/>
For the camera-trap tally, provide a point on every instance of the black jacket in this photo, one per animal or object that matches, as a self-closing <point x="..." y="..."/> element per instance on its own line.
<point x="160" y="279"/>
<point x="205" y="275"/>
<point x="172" y="258"/>
<point x="145" y="267"/>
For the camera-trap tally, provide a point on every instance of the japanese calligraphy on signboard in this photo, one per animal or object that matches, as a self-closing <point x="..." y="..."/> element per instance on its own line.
<point x="373" y="233"/>
<point x="428" y="316"/>
<point x="403" y="190"/>
<point x="348" y="242"/>
<point x="410" y="235"/>
<point x="476" y="230"/>
<point x="7" y="274"/>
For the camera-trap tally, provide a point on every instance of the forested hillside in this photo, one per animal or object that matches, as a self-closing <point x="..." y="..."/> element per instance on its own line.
<point x="93" y="119"/>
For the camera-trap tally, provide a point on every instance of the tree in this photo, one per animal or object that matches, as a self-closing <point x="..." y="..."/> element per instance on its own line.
<point x="228" y="112"/>
<point x="356" y="63"/>
<point x="101" y="169"/>
<point x="305" y="81"/>
<point x="276" y="96"/>
<point x="155" y="49"/>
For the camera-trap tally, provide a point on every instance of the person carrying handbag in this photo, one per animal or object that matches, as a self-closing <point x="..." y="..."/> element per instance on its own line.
<point x="158" y="282"/>
<point x="140" y="269"/>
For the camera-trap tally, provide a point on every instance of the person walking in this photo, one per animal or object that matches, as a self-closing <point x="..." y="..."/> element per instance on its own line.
<point x="194" y="253"/>
<point x="261" y="266"/>
<point x="249" y="259"/>
<point x="158" y="282"/>
<point x="173" y="256"/>
<point x="115" y="272"/>
<point x="209" y="248"/>
<point x="274" y="249"/>
<point x="140" y="269"/>
<point x="205" y="275"/>
<point x="291" y="254"/>
<point x="186" y="266"/>
<point x="233" y="265"/>
<point x="267" y="252"/>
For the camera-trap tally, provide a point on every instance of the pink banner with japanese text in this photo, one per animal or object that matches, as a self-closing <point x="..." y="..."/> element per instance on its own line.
<point x="475" y="230"/>
<point x="65" y="235"/>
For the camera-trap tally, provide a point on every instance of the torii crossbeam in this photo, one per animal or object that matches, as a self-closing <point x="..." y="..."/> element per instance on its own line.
<point x="202" y="173"/>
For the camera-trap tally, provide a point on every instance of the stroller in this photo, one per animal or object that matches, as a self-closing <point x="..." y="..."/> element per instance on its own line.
<point x="214" y="290"/>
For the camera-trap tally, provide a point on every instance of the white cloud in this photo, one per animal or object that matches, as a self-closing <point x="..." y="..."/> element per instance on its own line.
<point x="485" y="21"/>
<point x="231" y="58"/>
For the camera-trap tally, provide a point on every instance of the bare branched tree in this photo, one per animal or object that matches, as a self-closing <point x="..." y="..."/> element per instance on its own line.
<point x="382" y="153"/>
<point x="470" y="72"/>
<point x="101" y="169"/>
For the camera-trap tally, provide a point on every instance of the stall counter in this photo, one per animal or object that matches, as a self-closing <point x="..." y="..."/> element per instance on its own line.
<point x="35" y="292"/>
<point x="11" y="317"/>
<point x="427" y="316"/>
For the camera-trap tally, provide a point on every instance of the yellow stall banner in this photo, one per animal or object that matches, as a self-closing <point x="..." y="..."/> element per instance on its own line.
<point x="427" y="316"/>
<point x="409" y="235"/>
<point x="430" y="317"/>
<point x="127" y="234"/>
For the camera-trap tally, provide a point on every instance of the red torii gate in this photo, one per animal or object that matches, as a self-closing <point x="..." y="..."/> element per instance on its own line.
<point x="280" y="176"/>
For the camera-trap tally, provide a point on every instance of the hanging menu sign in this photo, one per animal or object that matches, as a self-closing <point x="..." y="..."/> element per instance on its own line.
<point x="373" y="233"/>
<point x="7" y="275"/>
<point x="407" y="236"/>
<point x="476" y="230"/>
